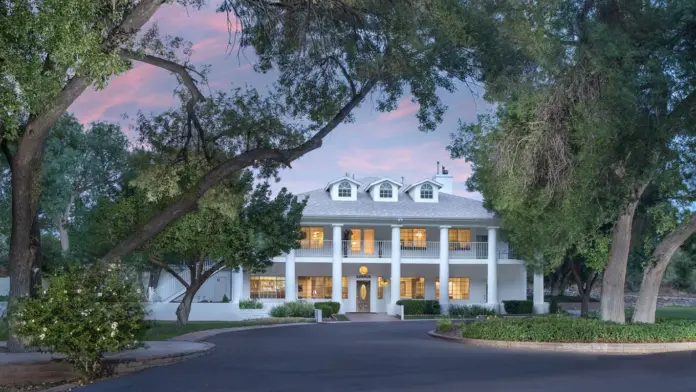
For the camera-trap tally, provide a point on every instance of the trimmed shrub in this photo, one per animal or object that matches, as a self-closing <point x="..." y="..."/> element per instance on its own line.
<point x="469" y="311"/>
<point x="326" y="309"/>
<point x="225" y="300"/>
<point x="84" y="313"/>
<point x="250" y="304"/>
<point x="419" y="306"/>
<point x="444" y="324"/>
<point x="335" y="306"/>
<point x="518" y="307"/>
<point x="293" y="309"/>
<point x="580" y="330"/>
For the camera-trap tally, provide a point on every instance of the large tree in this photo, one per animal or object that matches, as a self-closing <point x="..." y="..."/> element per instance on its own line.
<point x="588" y="126"/>
<point x="330" y="56"/>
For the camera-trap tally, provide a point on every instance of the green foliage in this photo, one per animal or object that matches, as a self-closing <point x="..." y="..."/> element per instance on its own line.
<point x="518" y="307"/>
<point x="84" y="313"/>
<point x="419" y="306"/>
<point x="580" y="330"/>
<point x="469" y="311"/>
<point x="293" y="309"/>
<point x="252" y="303"/>
<point x="225" y="299"/>
<point x="326" y="309"/>
<point x="335" y="306"/>
<point x="444" y="324"/>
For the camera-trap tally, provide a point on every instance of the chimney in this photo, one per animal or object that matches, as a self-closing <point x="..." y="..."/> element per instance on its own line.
<point x="445" y="179"/>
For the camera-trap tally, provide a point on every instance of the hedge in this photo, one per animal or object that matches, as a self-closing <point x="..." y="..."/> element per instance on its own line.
<point x="326" y="309"/>
<point x="444" y="324"/>
<point x="419" y="306"/>
<point x="293" y="309"/>
<point x="518" y="307"/>
<point x="579" y="330"/>
<point x="335" y="306"/>
<point x="469" y="311"/>
<point x="252" y="303"/>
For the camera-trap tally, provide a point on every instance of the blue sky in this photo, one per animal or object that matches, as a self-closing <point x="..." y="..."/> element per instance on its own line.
<point x="376" y="144"/>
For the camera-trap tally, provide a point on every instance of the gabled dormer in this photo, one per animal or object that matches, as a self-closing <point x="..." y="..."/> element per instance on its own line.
<point x="344" y="188"/>
<point x="384" y="189"/>
<point x="425" y="191"/>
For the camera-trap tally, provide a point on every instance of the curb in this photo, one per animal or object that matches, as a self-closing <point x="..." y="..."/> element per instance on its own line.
<point x="202" y="335"/>
<point x="579" y="348"/>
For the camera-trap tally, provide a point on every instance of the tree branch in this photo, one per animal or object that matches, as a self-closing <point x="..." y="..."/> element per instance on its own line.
<point x="207" y="274"/>
<point x="169" y="269"/>
<point x="666" y="248"/>
<point x="345" y="73"/>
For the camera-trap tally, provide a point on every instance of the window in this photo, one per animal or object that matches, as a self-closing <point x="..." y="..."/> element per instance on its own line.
<point x="412" y="238"/>
<point x="381" y="284"/>
<point x="344" y="287"/>
<point x="413" y="288"/>
<point x="426" y="191"/>
<point x="385" y="191"/>
<point x="345" y="189"/>
<point x="458" y="288"/>
<point x="267" y="287"/>
<point x="314" y="287"/>
<point x="459" y="239"/>
<point x="313" y="238"/>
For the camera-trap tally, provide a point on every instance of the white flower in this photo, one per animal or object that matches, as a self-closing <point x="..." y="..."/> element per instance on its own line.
<point x="99" y="294"/>
<point x="65" y="291"/>
<point x="42" y="336"/>
<point x="114" y="325"/>
<point x="79" y="291"/>
<point x="113" y="333"/>
<point x="44" y="329"/>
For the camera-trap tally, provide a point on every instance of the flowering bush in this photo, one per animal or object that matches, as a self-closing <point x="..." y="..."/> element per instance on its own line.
<point x="85" y="312"/>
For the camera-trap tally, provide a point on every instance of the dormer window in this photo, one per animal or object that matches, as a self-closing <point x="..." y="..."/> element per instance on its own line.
<point x="426" y="191"/>
<point x="344" y="189"/>
<point x="385" y="191"/>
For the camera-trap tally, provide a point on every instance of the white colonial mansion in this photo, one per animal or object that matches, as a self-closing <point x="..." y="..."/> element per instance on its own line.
<point x="372" y="241"/>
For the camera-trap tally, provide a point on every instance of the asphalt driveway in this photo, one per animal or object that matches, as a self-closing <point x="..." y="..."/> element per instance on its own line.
<point x="397" y="356"/>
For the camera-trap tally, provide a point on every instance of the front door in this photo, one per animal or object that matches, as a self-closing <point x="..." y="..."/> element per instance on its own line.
<point x="363" y="296"/>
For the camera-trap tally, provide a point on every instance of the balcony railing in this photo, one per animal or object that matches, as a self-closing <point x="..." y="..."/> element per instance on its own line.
<point x="468" y="250"/>
<point x="409" y="249"/>
<point x="376" y="249"/>
<point x="314" y="248"/>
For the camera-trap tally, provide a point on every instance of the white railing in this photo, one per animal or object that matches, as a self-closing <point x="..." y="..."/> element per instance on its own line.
<point x="169" y="287"/>
<point x="468" y="250"/>
<point x="313" y="248"/>
<point x="420" y="249"/>
<point x="376" y="249"/>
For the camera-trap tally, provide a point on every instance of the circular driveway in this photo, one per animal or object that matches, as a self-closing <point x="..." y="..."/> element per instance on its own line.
<point x="397" y="356"/>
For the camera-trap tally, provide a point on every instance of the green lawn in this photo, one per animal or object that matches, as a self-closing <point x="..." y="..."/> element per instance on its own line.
<point x="677" y="312"/>
<point x="165" y="330"/>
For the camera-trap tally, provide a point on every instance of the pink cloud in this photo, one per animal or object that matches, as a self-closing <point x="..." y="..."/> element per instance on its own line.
<point x="405" y="107"/>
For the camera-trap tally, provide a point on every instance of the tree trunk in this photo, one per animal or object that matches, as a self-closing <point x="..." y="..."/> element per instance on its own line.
<point x="585" y="306"/>
<point x="653" y="273"/>
<point x="559" y="283"/>
<point x="614" y="281"/>
<point x="24" y="241"/>
<point x="36" y="257"/>
<point x="155" y="273"/>
<point x="184" y="309"/>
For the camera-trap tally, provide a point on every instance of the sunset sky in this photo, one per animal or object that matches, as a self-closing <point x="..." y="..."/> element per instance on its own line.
<point x="376" y="144"/>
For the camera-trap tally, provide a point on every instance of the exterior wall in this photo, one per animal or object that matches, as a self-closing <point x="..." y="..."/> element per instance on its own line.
<point x="4" y="286"/>
<point x="374" y="193"/>
<point x="415" y="194"/>
<point x="353" y="194"/>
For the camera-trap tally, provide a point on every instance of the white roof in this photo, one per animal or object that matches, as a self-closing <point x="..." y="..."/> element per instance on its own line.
<point x="448" y="207"/>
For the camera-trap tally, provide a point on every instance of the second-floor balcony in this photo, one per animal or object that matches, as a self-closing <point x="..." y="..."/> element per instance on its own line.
<point x="409" y="249"/>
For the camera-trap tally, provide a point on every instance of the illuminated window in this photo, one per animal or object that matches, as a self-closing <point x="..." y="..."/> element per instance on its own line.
<point x="385" y="191"/>
<point x="426" y="191"/>
<point x="412" y="238"/>
<point x="313" y="238"/>
<point x="459" y="239"/>
<point x="267" y="287"/>
<point x="413" y="288"/>
<point x="458" y="288"/>
<point x="381" y="284"/>
<point x="344" y="287"/>
<point x="314" y="287"/>
<point x="344" y="189"/>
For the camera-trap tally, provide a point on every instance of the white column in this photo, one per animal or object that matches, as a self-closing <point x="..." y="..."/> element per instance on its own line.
<point x="539" y="305"/>
<point x="336" y="268"/>
<point x="290" y="283"/>
<point x="444" y="268"/>
<point x="395" y="280"/>
<point x="492" y="267"/>
<point x="237" y="285"/>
